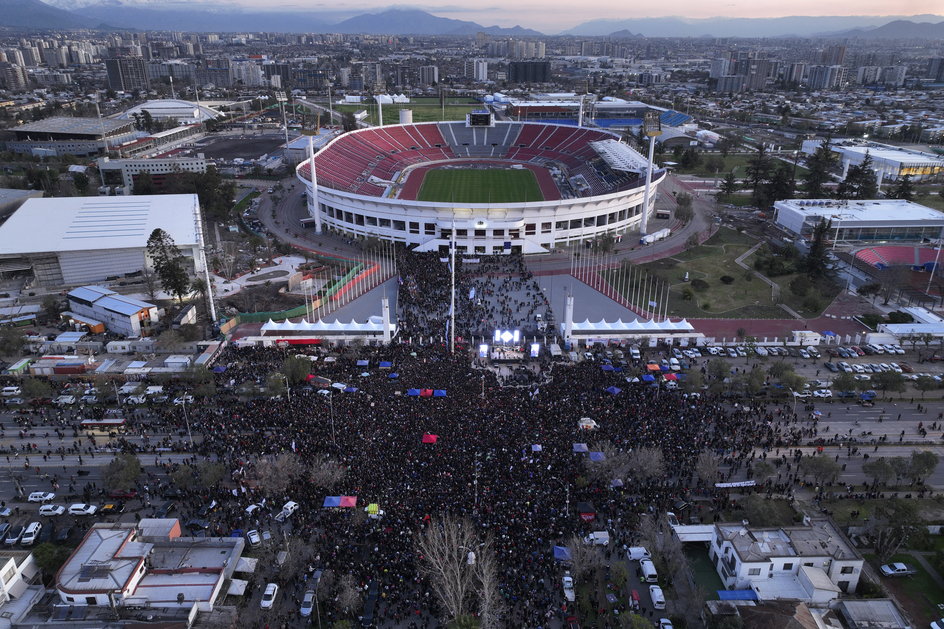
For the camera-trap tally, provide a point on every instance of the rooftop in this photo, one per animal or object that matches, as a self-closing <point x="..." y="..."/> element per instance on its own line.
<point x="110" y="300"/>
<point x="817" y="540"/>
<point x="95" y="566"/>
<point x="868" y="210"/>
<point x="63" y="124"/>
<point x="88" y="223"/>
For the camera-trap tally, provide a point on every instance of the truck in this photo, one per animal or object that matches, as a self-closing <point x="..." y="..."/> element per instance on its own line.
<point x="597" y="538"/>
<point x="648" y="239"/>
<point x="288" y="509"/>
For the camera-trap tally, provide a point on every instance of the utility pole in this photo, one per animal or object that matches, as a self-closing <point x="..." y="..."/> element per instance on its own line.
<point x="652" y="127"/>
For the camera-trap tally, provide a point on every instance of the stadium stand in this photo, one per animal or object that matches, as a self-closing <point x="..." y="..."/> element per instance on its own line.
<point x="673" y="118"/>
<point x="382" y="153"/>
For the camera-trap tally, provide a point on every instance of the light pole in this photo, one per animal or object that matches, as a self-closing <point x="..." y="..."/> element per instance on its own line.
<point x="566" y="494"/>
<point x="652" y="127"/>
<point x="187" y="419"/>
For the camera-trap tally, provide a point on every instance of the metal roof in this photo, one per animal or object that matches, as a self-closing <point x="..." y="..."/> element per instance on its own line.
<point x="89" y="223"/>
<point x="63" y="124"/>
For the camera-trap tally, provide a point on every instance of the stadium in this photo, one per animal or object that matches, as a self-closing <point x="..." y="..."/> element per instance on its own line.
<point x="502" y="186"/>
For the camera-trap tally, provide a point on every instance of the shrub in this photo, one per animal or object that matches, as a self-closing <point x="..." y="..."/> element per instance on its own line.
<point x="700" y="285"/>
<point x="706" y="306"/>
<point x="812" y="304"/>
<point x="800" y="285"/>
<point x="727" y="279"/>
<point x="688" y="294"/>
<point x="898" y="316"/>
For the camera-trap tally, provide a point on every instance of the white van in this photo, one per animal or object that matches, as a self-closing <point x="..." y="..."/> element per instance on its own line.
<point x="636" y="553"/>
<point x="573" y="357"/>
<point x="647" y="571"/>
<point x="31" y="534"/>
<point x="11" y="391"/>
<point x="597" y="538"/>
<point x="634" y="352"/>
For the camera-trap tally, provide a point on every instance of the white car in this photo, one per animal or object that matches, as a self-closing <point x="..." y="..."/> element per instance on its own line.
<point x="183" y="399"/>
<point x="665" y="623"/>
<point x="64" y="400"/>
<point x="822" y="393"/>
<point x="51" y="510"/>
<point x="251" y="509"/>
<point x="846" y="367"/>
<point x="803" y="394"/>
<point x="308" y="603"/>
<point x="41" y="496"/>
<point x="858" y="368"/>
<point x="253" y="537"/>
<point x="82" y="509"/>
<point x="895" y="367"/>
<point x="658" y="598"/>
<point x="268" y="597"/>
<point x="567" y="582"/>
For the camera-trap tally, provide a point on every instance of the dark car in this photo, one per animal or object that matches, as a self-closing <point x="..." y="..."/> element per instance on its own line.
<point x="64" y="535"/>
<point x="831" y="366"/>
<point x="126" y="494"/>
<point x="165" y="509"/>
<point x="172" y="492"/>
<point x="47" y="533"/>
<point x="198" y="525"/>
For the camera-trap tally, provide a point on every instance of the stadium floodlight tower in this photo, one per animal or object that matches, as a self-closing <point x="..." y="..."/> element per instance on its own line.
<point x="652" y="127"/>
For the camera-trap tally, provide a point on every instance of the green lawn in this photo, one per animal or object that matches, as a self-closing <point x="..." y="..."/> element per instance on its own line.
<point x="746" y="297"/>
<point x="714" y="165"/>
<point x="479" y="185"/>
<point x="422" y="112"/>
<point x="918" y="594"/>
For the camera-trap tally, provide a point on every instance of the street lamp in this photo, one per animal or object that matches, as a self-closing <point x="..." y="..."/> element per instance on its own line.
<point x="187" y="419"/>
<point x="652" y="127"/>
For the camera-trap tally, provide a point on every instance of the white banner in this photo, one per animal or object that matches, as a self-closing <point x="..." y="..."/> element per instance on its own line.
<point x="741" y="483"/>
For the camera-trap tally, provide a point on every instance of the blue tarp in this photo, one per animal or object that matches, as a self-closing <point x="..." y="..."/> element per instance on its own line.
<point x="581" y="447"/>
<point x="536" y="448"/>
<point x="413" y="392"/>
<point x="439" y="393"/>
<point x="394" y="376"/>
<point x="648" y="378"/>
<point x="607" y="367"/>
<point x="613" y="390"/>
<point x="597" y="456"/>
<point x="332" y="501"/>
<point x="561" y="553"/>
<point x="219" y="369"/>
<point x="737" y="595"/>
<point x="363" y="363"/>
<point x="385" y="364"/>
<point x="350" y="390"/>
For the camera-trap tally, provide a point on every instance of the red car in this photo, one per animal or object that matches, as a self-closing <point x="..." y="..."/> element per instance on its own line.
<point x="126" y="494"/>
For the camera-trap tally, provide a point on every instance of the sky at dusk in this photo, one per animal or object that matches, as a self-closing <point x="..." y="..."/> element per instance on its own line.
<point x="553" y="16"/>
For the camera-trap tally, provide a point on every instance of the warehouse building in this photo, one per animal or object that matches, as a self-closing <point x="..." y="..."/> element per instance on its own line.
<point x="861" y="221"/>
<point x="125" y="172"/>
<point x="73" y="241"/>
<point x="70" y="136"/>
<point x="889" y="162"/>
<point x="100" y="309"/>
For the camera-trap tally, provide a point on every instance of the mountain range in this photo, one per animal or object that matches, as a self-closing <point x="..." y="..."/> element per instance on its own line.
<point x="209" y="17"/>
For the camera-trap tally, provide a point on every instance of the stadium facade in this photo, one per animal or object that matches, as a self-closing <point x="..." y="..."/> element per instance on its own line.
<point x="368" y="184"/>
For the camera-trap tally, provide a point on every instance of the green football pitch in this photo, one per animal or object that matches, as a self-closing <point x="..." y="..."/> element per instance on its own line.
<point x="477" y="185"/>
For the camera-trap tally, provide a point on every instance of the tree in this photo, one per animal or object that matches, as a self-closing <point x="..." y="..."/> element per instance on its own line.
<point x="707" y="467"/>
<point x="779" y="369"/>
<point x="204" y="382"/>
<point x="349" y="594"/>
<point x="815" y="261"/>
<point x="50" y="557"/>
<point x="35" y="388"/>
<point x="348" y="123"/>
<point x="860" y="181"/>
<point x="844" y="382"/>
<point x="718" y="369"/>
<point x="729" y="184"/>
<point x="820" y="468"/>
<point x="879" y="470"/>
<point x="761" y="511"/>
<point x="444" y="546"/>
<point x="169" y="264"/>
<point x="888" y="381"/>
<point x="925" y="384"/>
<point x="819" y="165"/>
<point x="325" y="472"/>
<point x="144" y="184"/>
<point x="903" y="189"/>
<point x="584" y="558"/>
<point x="275" y="385"/>
<point x="276" y="473"/>
<point x="684" y="211"/>
<point x="11" y="341"/>
<point x="762" y="471"/>
<point x="122" y="472"/>
<point x="922" y="465"/>
<point x="758" y="173"/>
<point x="779" y="187"/>
<point x="634" y="621"/>
<point x="81" y="182"/>
<point x="871" y="289"/>
<point x="646" y="462"/>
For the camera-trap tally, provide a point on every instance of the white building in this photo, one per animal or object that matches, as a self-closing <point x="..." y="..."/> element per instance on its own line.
<point x="481" y="70"/>
<point x="119" y="314"/>
<point x="183" y="111"/>
<point x="158" y="168"/>
<point x="86" y="240"/>
<point x="889" y="162"/>
<point x="147" y="564"/>
<point x="861" y="221"/>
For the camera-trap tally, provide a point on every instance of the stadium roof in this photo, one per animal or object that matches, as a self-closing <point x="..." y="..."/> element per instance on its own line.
<point x="62" y="124"/>
<point x="170" y="108"/>
<point x="619" y="156"/>
<point x="88" y="223"/>
<point x="897" y="210"/>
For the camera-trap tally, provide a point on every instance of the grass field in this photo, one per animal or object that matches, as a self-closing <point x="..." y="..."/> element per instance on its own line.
<point x="422" y="112"/>
<point x="475" y="185"/>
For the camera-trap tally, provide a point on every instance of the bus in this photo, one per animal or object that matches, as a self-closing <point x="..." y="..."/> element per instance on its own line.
<point x="106" y="425"/>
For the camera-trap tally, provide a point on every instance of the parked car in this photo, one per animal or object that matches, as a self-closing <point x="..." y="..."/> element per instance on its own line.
<point x="308" y="603"/>
<point x="897" y="570"/>
<point x="31" y="534"/>
<point x="41" y="496"/>
<point x="14" y="535"/>
<point x="110" y="508"/>
<point x="665" y="623"/>
<point x="822" y="393"/>
<point x="126" y="494"/>
<point x="51" y="510"/>
<point x="253" y="537"/>
<point x="567" y="582"/>
<point x="658" y="598"/>
<point x="82" y="508"/>
<point x="268" y="597"/>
